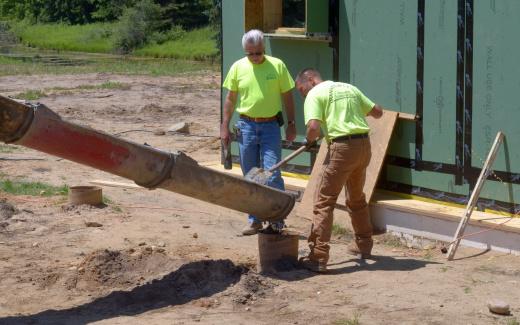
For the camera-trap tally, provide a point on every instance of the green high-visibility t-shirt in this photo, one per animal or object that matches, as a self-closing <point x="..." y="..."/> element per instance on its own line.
<point x="259" y="85"/>
<point x="340" y="107"/>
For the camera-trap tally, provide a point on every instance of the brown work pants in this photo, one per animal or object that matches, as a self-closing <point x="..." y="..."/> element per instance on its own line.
<point x="344" y="166"/>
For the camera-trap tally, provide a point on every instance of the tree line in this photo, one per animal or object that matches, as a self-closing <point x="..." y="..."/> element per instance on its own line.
<point x="186" y="13"/>
<point x="135" y="22"/>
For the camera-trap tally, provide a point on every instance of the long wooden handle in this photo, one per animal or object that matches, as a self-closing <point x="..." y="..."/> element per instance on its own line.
<point x="286" y="159"/>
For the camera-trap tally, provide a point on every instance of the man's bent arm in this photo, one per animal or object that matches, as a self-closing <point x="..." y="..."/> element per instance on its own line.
<point x="288" y="103"/>
<point x="376" y="111"/>
<point x="229" y="107"/>
<point x="313" y="130"/>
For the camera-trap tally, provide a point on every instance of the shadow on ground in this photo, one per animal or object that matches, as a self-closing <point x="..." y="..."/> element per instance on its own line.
<point x="190" y="282"/>
<point x="378" y="263"/>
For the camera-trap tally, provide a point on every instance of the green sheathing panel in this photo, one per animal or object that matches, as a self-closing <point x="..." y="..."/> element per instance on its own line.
<point x="430" y="180"/>
<point x="297" y="55"/>
<point x="232" y="31"/>
<point x="317" y="16"/>
<point x="445" y="183"/>
<point x="496" y="83"/>
<point x="440" y="79"/>
<point x="378" y="41"/>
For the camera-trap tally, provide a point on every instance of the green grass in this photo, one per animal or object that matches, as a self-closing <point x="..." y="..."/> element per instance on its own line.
<point x="34" y="94"/>
<point x="354" y="320"/>
<point x="32" y="188"/>
<point x="194" y="45"/>
<point x="6" y="148"/>
<point x="81" y="38"/>
<point x="119" y="65"/>
<point x="197" y="44"/>
<point x="31" y="94"/>
<point x="105" y="85"/>
<point x="513" y="321"/>
<point x="392" y="241"/>
<point x="338" y="230"/>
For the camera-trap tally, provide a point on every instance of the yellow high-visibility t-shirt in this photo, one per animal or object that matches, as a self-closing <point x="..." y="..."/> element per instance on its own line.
<point x="340" y="107"/>
<point x="259" y="86"/>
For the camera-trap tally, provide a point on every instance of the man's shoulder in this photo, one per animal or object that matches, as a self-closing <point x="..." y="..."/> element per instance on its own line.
<point x="273" y="60"/>
<point x="240" y="62"/>
<point x="323" y="86"/>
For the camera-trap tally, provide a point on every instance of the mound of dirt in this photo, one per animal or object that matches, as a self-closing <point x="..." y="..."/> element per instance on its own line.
<point x="252" y="286"/>
<point x="110" y="268"/>
<point x="7" y="210"/>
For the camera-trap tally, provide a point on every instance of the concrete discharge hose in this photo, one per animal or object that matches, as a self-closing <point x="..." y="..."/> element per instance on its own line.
<point x="39" y="128"/>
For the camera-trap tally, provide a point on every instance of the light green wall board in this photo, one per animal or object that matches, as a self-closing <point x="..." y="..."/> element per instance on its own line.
<point x="232" y="31"/>
<point x="445" y="183"/>
<point x="430" y="180"/>
<point x="440" y="79"/>
<point x="496" y="82"/>
<point x="380" y="58"/>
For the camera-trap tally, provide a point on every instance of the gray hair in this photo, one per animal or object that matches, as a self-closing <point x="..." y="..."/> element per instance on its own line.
<point x="254" y="37"/>
<point x="305" y="74"/>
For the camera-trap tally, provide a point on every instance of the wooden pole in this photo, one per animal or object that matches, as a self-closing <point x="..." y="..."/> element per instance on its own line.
<point x="486" y="169"/>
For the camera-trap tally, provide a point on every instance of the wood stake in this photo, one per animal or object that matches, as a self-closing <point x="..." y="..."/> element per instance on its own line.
<point x="486" y="169"/>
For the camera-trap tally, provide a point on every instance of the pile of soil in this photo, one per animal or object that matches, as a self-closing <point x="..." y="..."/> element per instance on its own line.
<point x="251" y="287"/>
<point x="112" y="268"/>
<point x="7" y="210"/>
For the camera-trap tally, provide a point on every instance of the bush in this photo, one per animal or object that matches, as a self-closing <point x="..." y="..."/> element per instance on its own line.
<point x="85" y="38"/>
<point x="136" y="25"/>
<point x="173" y="34"/>
<point x="197" y="44"/>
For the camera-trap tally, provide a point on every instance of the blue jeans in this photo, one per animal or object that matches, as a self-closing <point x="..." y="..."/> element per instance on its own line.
<point x="260" y="145"/>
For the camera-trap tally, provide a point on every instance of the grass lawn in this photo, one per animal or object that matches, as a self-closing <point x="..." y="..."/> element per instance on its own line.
<point x="197" y="44"/>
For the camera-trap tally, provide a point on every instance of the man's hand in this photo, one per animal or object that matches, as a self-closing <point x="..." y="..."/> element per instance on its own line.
<point x="310" y="144"/>
<point x="290" y="132"/>
<point x="225" y="135"/>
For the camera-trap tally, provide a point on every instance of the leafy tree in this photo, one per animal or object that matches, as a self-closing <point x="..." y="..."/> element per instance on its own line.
<point x="187" y="13"/>
<point x="137" y="25"/>
<point x="109" y="10"/>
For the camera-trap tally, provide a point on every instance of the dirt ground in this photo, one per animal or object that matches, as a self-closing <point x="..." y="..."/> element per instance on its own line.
<point x="155" y="257"/>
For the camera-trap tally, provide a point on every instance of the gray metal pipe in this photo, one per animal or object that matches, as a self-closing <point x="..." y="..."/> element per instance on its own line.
<point x="40" y="128"/>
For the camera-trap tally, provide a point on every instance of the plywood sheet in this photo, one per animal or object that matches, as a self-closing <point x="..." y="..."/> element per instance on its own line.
<point x="380" y="134"/>
<point x="304" y="209"/>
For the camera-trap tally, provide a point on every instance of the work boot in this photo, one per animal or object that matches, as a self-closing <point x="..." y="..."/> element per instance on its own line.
<point x="353" y="249"/>
<point x="252" y="228"/>
<point x="274" y="227"/>
<point x="312" y="265"/>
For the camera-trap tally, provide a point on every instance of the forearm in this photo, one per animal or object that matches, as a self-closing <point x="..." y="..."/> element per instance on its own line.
<point x="313" y="130"/>
<point x="229" y="107"/>
<point x="226" y="113"/>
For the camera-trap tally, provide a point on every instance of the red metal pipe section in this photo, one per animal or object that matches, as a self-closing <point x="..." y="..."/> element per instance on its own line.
<point x="39" y="128"/>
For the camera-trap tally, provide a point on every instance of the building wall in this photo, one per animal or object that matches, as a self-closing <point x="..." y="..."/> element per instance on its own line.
<point x="451" y="62"/>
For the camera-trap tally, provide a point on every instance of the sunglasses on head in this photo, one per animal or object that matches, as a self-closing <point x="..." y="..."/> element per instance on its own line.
<point x="254" y="53"/>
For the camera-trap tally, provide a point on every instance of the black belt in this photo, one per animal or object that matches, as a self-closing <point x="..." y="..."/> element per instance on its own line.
<point x="258" y="119"/>
<point x="350" y="137"/>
